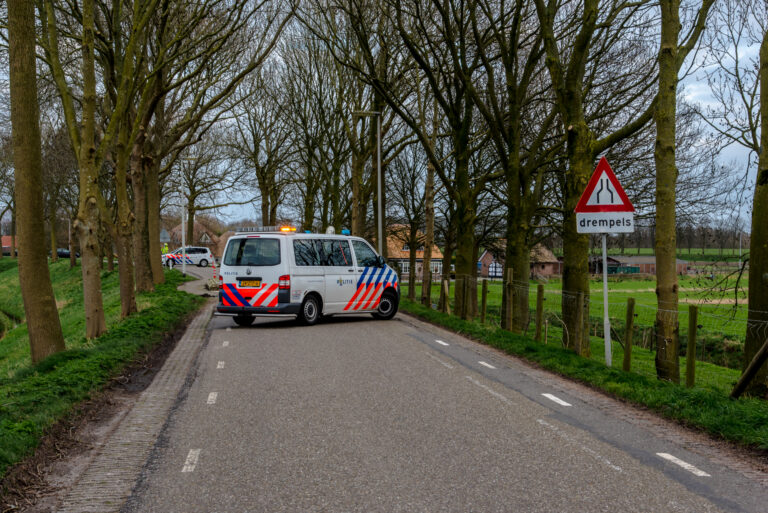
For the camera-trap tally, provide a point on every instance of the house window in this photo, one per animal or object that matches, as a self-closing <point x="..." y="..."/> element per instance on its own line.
<point x="406" y="247"/>
<point x="405" y="266"/>
<point x="437" y="267"/>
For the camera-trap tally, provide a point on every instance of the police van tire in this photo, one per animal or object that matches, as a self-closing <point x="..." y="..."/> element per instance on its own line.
<point x="387" y="307"/>
<point x="203" y="263"/>
<point x="244" y="320"/>
<point x="309" y="313"/>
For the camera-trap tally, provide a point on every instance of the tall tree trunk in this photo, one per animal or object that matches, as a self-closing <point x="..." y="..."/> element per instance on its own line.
<point x="667" y="364"/>
<point x="43" y="325"/>
<point x="357" y="221"/>
<point x="153" y="222"/>
<point x="144" y="275"/>
<point x="466" y="265"/>
<point x="575" y="245"/>
<point x="88" y="221"/>
<point x="124" y="228"/>
<point x="757" y="323"/>
<point x="429" y="236"/>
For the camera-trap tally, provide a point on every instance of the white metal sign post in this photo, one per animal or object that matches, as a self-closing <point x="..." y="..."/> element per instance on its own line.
<point x="605" y="208"/>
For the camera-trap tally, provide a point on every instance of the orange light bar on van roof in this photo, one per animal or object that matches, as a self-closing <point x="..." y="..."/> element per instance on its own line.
<point x="287" y="228"/>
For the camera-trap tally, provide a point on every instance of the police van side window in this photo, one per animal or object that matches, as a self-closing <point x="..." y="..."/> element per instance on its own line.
<point x="253" y="251"/>
<point x="365" y="255"/>
<point x="307" y="252"/>
<point x="336" y="253"/>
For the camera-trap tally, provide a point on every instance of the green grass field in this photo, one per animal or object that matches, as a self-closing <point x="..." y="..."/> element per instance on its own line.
<point x="34" y="397"/>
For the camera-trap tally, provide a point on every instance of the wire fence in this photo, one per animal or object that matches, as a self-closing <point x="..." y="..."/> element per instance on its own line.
<point x="720" y="330"/>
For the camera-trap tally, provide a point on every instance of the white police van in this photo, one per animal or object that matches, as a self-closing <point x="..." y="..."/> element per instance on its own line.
<point x="199" y="256"/>
<point x="278" y="271"/>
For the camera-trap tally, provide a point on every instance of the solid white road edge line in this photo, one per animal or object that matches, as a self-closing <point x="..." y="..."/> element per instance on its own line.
<point x="220" y="365"/>
<point x="556" y="399"/>
<point x="486" y="364"/>
<point x="442" y="343"/>
<point x="565" y="436"/>
<point x="189" y="465"/>
<point x="441" y="362"/>
<point x="490" y="391"/>
<point x="225" y="343"/>
<point x="212" y="397"/>
<point x="687" y="466"/>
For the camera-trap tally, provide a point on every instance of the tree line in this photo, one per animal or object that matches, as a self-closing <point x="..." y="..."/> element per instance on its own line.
<point x="492" y="113"/>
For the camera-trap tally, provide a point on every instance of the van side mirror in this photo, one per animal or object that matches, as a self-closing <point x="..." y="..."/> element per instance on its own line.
<point x="380" y="261"/>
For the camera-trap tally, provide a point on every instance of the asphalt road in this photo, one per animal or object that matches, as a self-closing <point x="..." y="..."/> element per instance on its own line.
<point x="361" y="415"/>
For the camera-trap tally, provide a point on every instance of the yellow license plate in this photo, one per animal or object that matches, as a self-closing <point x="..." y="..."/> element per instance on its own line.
<point x="250" y="283"/>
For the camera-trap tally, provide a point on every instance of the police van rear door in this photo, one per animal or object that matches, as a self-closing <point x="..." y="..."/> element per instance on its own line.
<point x="251" y="268"/>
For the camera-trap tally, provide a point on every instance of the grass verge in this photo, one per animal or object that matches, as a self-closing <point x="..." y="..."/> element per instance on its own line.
<point x="34" y="397"/>
<point x="744" y="421"/>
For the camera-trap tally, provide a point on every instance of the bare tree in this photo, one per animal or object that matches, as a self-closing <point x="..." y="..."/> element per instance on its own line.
<point x="43" y="325"/>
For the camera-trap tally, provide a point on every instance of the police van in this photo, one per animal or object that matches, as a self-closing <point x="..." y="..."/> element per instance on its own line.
<point x="277" y="271"/>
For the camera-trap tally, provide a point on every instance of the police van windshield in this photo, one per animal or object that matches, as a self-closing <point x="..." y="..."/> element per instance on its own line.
<point x="253" y="251"/>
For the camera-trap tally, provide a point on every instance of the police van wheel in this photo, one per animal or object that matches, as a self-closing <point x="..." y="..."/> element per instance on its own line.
<point x="203" y="263"/>
<point x="310" y="311"/>
<point x="387" y="308"/>
<point x="244" y="320"/>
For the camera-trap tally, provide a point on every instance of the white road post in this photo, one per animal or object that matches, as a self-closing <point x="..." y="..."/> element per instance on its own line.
<point x="606" y="319"/>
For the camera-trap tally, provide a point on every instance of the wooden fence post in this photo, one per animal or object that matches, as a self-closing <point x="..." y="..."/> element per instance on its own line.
<point x="539" y="310"/>
<point x="629" y="329"/>
<point x="690" y="351"/>
<point x="579" y="335"/>
<point x="447" y="292"/>
<point x="509" y="291"/>
<point x="546" y="331"/>
<point x="484" y="302"/>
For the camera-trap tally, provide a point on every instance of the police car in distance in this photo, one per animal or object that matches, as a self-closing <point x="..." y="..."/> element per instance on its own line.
<point x="200" y="256"/>
<point x="277" y="271"/>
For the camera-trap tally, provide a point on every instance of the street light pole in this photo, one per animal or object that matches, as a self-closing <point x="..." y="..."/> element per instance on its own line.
<point x="379" y="184"/>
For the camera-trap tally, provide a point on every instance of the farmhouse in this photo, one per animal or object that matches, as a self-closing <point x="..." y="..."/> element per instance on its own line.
<point x="543" y="262"/>
<point x="398" y="252"/>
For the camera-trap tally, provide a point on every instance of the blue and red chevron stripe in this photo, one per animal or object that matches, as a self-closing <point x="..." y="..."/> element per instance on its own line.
<point x="232" y="295"/>
<point x="369" y="291"/>
<point x="179" y="258"/>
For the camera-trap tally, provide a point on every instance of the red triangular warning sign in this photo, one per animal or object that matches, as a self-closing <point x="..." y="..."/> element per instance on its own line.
<point x="604" y="193"/>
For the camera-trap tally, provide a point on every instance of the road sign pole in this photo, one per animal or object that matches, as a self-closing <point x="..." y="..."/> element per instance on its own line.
<point x="606" y="319"/>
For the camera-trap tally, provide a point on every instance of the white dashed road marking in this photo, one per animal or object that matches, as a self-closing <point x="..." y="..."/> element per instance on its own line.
<point x="556" y="399"/>
<point x="442" y="343"/>
<point x="212" y="397"/>
<point x="220" y="365"/>
<point x="192" y="457"/>
<point x="225" y="343"/>
<point x="486" y="364"/>
<point x="441" y="362"/>
<point x="687" y="466"/>
<point x="229" y="329"/>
